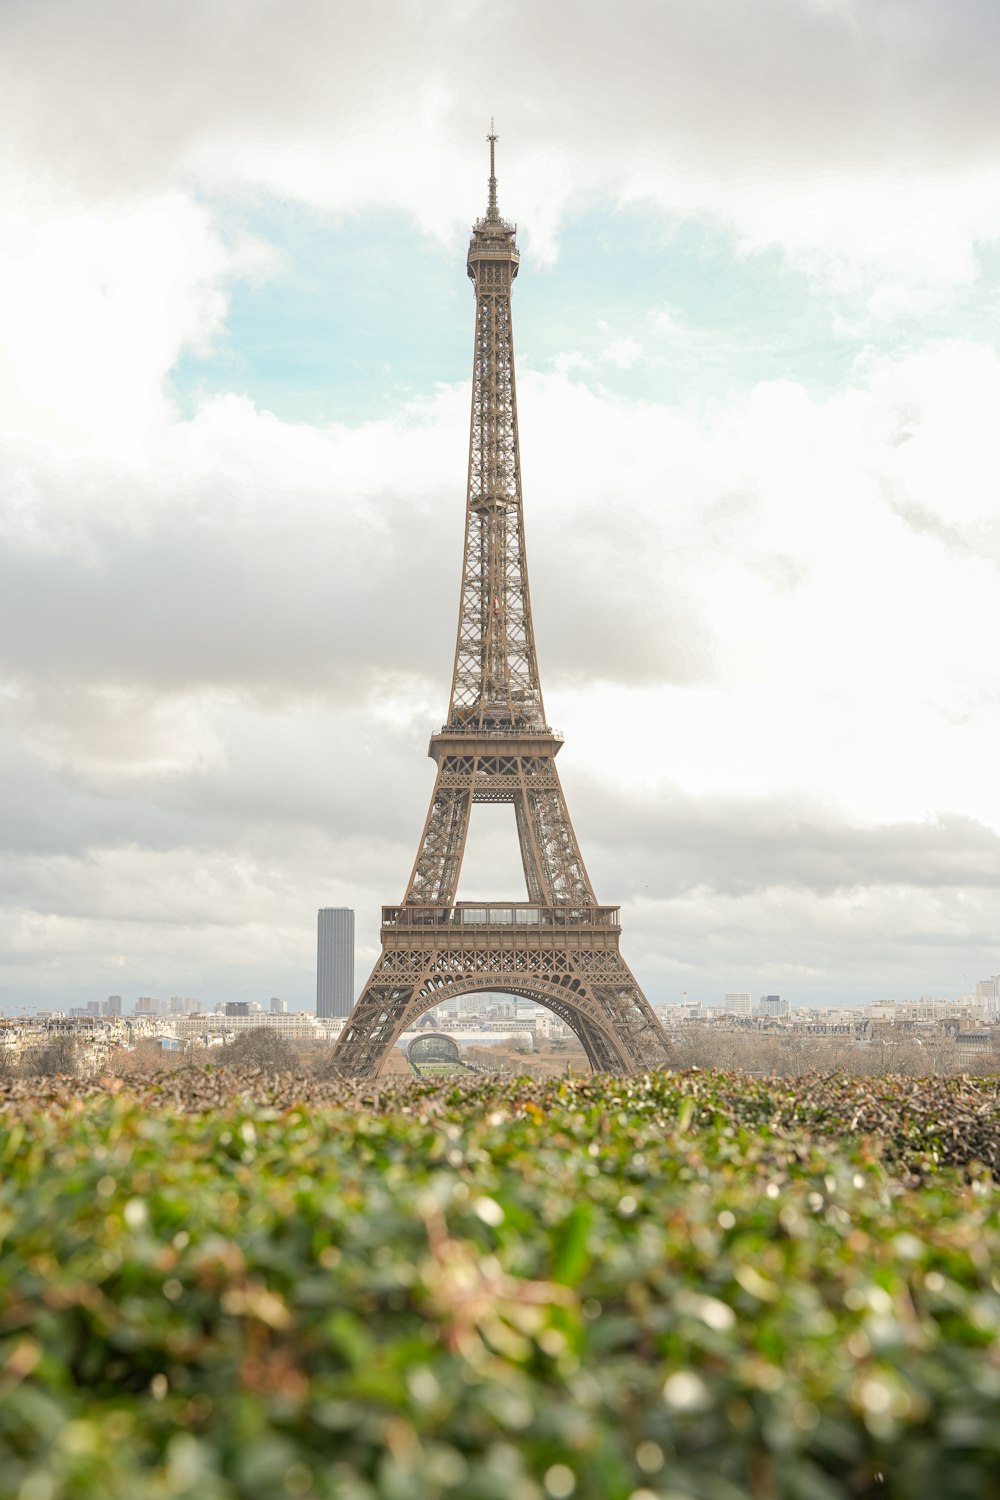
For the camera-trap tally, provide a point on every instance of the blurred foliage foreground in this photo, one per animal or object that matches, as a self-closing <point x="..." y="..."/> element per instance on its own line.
<point x="686" y="1285"/>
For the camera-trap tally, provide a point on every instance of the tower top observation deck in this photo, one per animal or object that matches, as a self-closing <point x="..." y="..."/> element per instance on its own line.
<point x="493" y="237"/>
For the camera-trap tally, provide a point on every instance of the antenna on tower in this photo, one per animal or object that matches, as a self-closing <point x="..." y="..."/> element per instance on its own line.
<point x="491" y="212"/>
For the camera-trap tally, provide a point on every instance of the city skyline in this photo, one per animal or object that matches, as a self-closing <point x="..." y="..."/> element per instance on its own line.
<point x="758" y="363"/>
<point x="985" y="1000"/>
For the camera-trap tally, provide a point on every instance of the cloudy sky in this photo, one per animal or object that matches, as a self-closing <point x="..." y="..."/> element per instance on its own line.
<point x="758" y="333"/>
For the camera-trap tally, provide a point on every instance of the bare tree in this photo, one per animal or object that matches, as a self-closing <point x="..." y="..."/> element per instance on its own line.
<point x="791" y="1054"/>
<point x="260" y="1047"/>
<point x="58" y="1055"/>
<point x="148" y="1058"/>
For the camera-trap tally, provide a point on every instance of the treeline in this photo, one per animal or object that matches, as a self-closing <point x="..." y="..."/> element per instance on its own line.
<point x="777" y="1054"/>
<point x="60" y="1054"/>
<point x="787" y="1055"/>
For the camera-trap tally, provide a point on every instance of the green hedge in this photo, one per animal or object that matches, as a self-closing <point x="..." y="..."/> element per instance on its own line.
<point x="679" y="1286"/>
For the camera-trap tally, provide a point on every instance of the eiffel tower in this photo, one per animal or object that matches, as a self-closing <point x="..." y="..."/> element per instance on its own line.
<point x="559" y="947"/>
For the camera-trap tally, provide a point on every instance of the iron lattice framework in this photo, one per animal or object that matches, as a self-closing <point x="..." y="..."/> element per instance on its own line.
<point x="560" y="947"/>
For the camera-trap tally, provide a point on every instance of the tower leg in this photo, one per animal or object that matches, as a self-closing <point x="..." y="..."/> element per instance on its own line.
<point x="434" y="878"/>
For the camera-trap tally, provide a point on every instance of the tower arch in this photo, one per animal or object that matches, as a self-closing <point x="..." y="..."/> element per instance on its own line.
<point x="599" y="1041"/>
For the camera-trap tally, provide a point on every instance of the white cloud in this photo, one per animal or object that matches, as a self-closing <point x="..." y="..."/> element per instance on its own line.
<point x="830" y="560"/>
<point x="231" y="652"/>
<point x="888" y="943"/>
<point x="223" y="640"/>
<point x="95" y="309"/>
<point x="858" y="139"/>
<point x="623" y="352"/>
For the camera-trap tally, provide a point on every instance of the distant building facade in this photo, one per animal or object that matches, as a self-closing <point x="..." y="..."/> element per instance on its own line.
<point x="772" y="1005"/>
<point x="988" y="995"/>
<point x="738" y="1005"/>
<point x="335" y="961"/>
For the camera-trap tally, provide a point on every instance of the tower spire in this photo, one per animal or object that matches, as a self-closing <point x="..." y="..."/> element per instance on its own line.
<point x="492" y="212"/>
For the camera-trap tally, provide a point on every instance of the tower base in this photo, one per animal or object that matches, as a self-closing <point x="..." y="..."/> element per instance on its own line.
<point x="565" y="958"/>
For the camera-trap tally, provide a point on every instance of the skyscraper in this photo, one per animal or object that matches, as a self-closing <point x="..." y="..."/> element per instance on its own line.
<point x="335" y="961"/>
